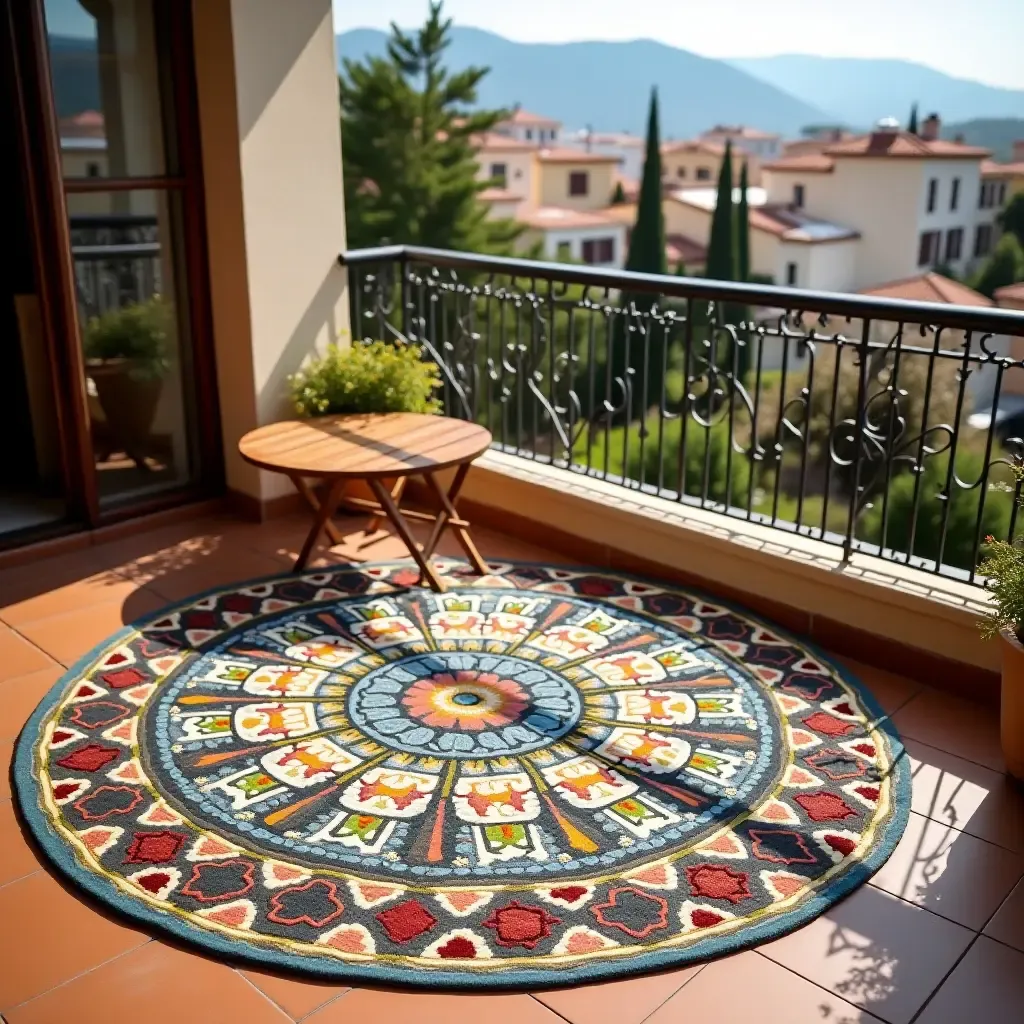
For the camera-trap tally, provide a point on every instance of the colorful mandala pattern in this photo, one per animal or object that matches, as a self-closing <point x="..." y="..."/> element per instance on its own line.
<point x="541" y="775"/>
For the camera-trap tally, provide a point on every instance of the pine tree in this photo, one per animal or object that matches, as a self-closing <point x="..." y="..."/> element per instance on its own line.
<point x="636" y="342"/>
<point x="912" y="126"/>
<point x="1011" y="220"/>
<point x="408" y="128"/>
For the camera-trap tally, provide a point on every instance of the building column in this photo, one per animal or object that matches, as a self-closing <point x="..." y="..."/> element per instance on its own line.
<point x="267" y="89"/>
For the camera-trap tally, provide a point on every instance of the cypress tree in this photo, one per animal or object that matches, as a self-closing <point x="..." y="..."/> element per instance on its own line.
<point x="618" y="195"/>
<point x="634" y="340"/>
<point x="743" y="230"/>
<point x="647" y="243"/>
<point x="721" y="248"/>
<point x="912" y="127"/>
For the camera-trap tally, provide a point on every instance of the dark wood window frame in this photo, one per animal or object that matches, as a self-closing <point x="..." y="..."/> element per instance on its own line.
<point x="579" y="183"/>
<point x="49" y="216"/>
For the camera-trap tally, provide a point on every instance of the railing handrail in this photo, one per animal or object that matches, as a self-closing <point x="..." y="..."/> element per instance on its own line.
<point x="135" y="250"/>
<point x="967" y="318"/>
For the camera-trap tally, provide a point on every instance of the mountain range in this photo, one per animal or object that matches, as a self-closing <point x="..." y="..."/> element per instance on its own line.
<point x="606" y="85"/>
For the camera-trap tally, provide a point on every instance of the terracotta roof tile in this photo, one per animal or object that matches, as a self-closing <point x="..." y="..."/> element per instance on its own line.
<point x="565" y="155"/>
<point x="693" y="146"/>
<point x="905" y="145"/>
<point x="929" y="287"/>
<point x="814" y="163"/>
<point x="549" y="218"/>
<point x="991" y="169"/>
<point x="681" y="248"/>
<point x="494" y="142"/>
<point x="1010" y="295"/>
<point x="525" y="117"/>
<point x="500" y="195"/>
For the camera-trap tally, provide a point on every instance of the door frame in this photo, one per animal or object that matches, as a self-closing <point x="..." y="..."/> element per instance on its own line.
<point x="46" y="191"/>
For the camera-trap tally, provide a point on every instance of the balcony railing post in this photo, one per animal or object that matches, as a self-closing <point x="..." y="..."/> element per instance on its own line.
<point x="863" y="364"/>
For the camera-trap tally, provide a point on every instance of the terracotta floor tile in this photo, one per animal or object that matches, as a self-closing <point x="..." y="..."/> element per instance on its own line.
<point x="954" y="725"/>
<point x="296" y="996"/>
<point x="880" y="953"/>
<point x="58" y="937"/>
<point x="19" y="656"/>
<point x="6" y="756"/>
<point x="17" y="858"/>
<point x="212" y="571"/>
<point x="748" y="987"/>
<point x="366" y="1004"/>
<point x="1008" y="924"/>
<point x="890" y="690"/>
<point x="157" y="984"/>
<point x="67" y="637"/>
<point x="19" y="697"/>
<point x="966" y="795"/>
<point x="68" y="597"/>
<point x="987" y="985"/>
<point x="616" y="1002"/>
<point x="24" y="583"/>
<point x="949" y="872"/>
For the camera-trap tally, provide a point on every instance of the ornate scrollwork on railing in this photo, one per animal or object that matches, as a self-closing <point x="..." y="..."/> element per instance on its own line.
<point x="808" y="421"/>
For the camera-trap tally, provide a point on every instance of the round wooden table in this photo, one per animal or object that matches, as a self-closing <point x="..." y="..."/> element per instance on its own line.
<point x="375" y="447"/>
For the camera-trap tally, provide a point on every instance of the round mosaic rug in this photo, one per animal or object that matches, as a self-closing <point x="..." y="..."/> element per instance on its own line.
<point x="544" y="775"/>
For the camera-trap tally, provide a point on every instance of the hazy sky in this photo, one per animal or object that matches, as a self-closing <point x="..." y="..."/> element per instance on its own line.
<point x="978" y="39"/>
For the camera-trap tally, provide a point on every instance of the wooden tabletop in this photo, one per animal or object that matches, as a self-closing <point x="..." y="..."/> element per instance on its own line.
<point x="364" y="445"/>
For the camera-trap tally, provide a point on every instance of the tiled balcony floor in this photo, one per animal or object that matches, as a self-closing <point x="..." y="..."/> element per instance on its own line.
<point x="937" y="936"/>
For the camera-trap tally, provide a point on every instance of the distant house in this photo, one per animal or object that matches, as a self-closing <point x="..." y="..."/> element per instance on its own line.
<point x="917" y="202"/>
<point x="627" y="149"/>
<point x="532" y="128"/>
<point x="560" y="195"/>
<point x="752" y="141"/>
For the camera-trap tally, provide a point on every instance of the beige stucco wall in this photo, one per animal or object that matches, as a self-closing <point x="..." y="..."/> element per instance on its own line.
<point x="688" y="163"/>
<point x="268" y="104"/>
<point x="554" y="185"/>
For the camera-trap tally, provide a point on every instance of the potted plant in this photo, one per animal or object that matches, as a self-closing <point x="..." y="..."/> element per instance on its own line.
<point x="126" y="358"/>
<point x="1004" y="568"/>
<point x="366" y="377"/>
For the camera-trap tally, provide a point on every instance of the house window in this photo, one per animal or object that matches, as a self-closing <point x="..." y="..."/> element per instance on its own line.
<point x="579" y="183"/>
<point x="590" y="251"/>
<point x="606" y="250"/>
<point x="798" y="196"/>
<point x="954" y="244"/>
<point x="982" y="195"/>
<point x="954" y="196"/>
<point x="529" y="135"/>
<point x="92" y="169"/>
<point x="703" y="173"/>
<point x="983" y="240"/>
<point x="928" y="249"/>
<point x="933" y="194"/>
<point x="1002" y="194"/>
<point x="791" y="274"/>
<point x="680" y="172"/>
<point x="564" y="252"/>
<point x="499" y="172"/>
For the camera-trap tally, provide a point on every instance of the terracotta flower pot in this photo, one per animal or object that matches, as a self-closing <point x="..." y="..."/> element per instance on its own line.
<point x="129" y="402"/>
<point x="1011" y="715"/>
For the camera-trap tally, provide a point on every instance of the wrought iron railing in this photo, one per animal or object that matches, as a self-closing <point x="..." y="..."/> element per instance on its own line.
<point x="116" y="261"/>
<point x="878" y="425"/>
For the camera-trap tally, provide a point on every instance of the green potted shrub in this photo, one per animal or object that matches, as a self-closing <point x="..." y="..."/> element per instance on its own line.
<point x="126" y="356"/>
<point x="366" y="377"/>
<point x="1004" y="568"/>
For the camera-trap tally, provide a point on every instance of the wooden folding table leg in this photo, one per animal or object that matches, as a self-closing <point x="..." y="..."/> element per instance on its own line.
<point x="387" y="503"/>
<point x="302" y="486"/>
<point x="396" y="496"/>
<point x="323" y="515"/>
<point x="449" y="517"/>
